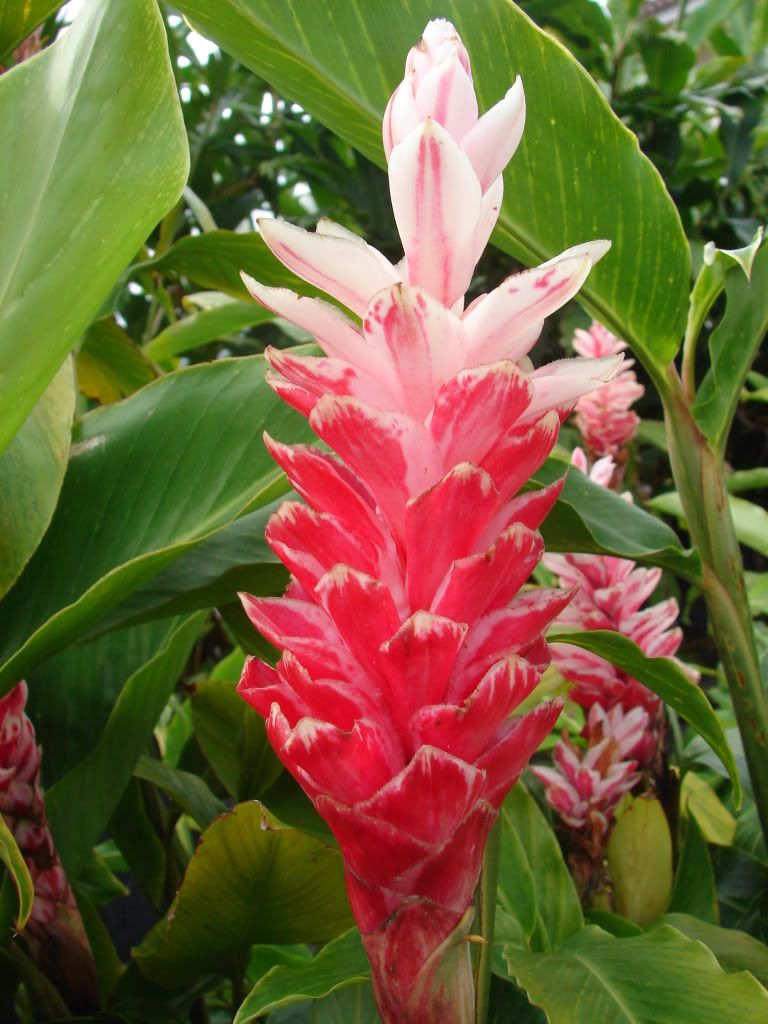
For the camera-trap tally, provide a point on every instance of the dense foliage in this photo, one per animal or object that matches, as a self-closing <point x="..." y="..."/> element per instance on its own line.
<point x="175" y="872"/>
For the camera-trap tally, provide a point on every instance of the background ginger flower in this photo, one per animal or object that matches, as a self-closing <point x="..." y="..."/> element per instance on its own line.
<point x="54" y="934"/>
<point x="604" y="417"/>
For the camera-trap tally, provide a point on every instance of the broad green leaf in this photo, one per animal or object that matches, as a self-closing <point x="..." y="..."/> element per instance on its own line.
<point x="750" y="521"/>
<point x="657" y="978"/>
<point x="535" y="890"/>
<point x="353" y="1004"/>
<point x="735" y="950"/>
<point x="216" y="259"/>
<point x="18" y="872"/>
<point x="732" y="348"/>
<point x="591" y="518"/>
<point x="700" y="801"/>
<point x="82" y="189"/>
<point x="186" y="789"/>
<point x="695" y="891"/>
<point x="341" y="963"/>
<point x="571" y="177"/>
<point x="19" y="19"/>
<point x="251" y="880"/>
<point x="72" y="694"/>
<point x="206" y="326"/>
<point x="639" y="860"/>
<point x="81" y="803"/>
<point x="31" y="473"/>
<point x="667" y="680"/>
<point x="233" y="738"/>
<point x="110" y="365"/>
<point x="233" y="559"/>
<point x="139" y="843"/>
<point x="667" y="57"/>
<point x="146" y="482"/>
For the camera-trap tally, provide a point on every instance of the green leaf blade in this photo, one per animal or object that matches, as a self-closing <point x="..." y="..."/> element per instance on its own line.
<point x="75" y="173"/>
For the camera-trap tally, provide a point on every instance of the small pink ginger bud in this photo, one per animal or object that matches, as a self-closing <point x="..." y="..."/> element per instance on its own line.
<point x="407" y="640"/>
<point x="54" y="933"/>
<point x="604" y="417"/>
<point x="586" y="786"/>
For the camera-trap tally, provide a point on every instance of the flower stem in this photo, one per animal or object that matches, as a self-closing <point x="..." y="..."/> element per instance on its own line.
<point x="488" y="884"/>
<point x="700" y="479"/>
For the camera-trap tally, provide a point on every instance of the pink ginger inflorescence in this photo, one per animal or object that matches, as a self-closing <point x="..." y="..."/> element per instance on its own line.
<point x="604" y="417"/>
<point x="611" y="593"/>
<point x="54" y="932"/>
<point x="407" y="643"/>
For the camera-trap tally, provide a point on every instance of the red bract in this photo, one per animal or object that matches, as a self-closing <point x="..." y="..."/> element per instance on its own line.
<point x="407" y="643"/>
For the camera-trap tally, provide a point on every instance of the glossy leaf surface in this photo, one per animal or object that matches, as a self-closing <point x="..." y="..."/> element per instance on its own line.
<point x="251" y="880"/>
<point x="109" y="148"/>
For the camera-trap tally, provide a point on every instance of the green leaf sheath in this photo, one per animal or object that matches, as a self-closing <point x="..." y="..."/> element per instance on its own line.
<point x="92" y="136"/>
<point x="568" y="181"/>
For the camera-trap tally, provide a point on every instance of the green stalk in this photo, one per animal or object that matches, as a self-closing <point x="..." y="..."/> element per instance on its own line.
<point x="700" y="479"/>
<point x="489" y="879"/>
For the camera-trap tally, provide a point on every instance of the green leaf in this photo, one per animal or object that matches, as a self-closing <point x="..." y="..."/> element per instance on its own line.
<point x="735" y="950"/>
<point x="233" y="738"/>
<point x="667" y="680"/>
<point x="591" y="518"/>
<point x="138" y="842"/>
<point x="146" y="482"/>
<point x="535" y="890"/>
<point x="251" y="880"/>
<point x="18" y="872"/>
<point x="81" y="190"/>
<point x="81" y="803"/>
<point x="206" y="326"/>
<point x="640" y="861"/>
<point x="31" y="473"/>
<point x="657" y="978"/>
<point x="187" y="790"/>
<point x="19" y="20"/>
<point x="732" y="348"/>
<point x="700" y="801"/>
<point x="341" y="963"/>
<point x="667" y="57"/>
<point x="695" y="890"/>
<point x="757" y="592"/>
<point x="748" y="480"/>
<point x="110" y="365"/>
<point x="353" y="1004"/>
<point x="750" y="521"/>
<point x="567" y="183"/>
<point x="71" y="695"/>
<point x="233" y="559"/>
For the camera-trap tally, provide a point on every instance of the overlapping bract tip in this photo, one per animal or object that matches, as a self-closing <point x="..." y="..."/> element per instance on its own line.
<point x="408" y="640"/>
